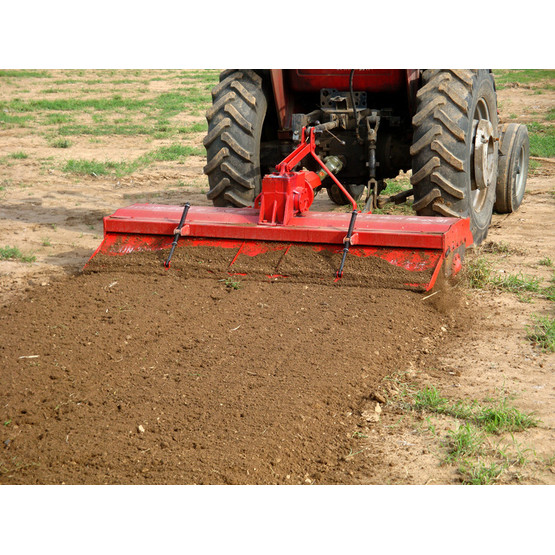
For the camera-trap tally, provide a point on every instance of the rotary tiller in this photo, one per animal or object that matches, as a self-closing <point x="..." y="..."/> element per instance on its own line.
<point x="280" y="219"/>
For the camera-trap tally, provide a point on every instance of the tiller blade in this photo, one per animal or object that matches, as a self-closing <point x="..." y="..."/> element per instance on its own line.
<point x="280" y="238"/>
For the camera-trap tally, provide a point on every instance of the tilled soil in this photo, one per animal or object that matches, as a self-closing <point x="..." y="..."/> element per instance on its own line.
<point x="121" y="375"/>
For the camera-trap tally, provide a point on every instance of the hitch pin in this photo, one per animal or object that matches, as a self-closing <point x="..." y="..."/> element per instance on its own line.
<point x="177" y="234"/>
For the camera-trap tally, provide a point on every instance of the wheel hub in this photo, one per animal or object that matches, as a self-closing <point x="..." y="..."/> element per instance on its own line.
<point x="484" y="155"/>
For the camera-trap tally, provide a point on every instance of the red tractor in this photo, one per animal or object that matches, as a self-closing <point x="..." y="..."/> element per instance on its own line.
<point x="371" y="123"/>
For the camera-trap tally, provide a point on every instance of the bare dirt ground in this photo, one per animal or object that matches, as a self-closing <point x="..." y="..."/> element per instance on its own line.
<point x="129" y="375"/>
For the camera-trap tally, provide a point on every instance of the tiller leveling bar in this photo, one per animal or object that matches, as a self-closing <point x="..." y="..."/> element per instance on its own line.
<point x="281" y="218"/>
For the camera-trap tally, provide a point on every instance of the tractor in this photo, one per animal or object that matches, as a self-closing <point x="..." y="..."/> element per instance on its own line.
<point x="372" y="123"/>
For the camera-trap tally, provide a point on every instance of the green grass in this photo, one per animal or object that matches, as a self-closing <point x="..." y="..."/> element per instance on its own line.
<point x="495" y="418"/>
<point x="394" y="186"/>
<point x="522" y="76"/>
<point x="115" y="103"/>
<point x="546" y="262"/>
<point x="23" y="73"/>
<point x="542" y="332"/>
<point x="106" y="129"/>
<point x="13" y="253"/>
<point x="479" y="473"/>
<point x="231" y="283"/>
<point x="18" y="155"/>
<point x="60" y="143"/>
<point x="55" y="118"/>
<point x="542" y="139"/>
<point x="470" y="444"/>
<point x="479" y="274"/>
<point x="518" y="283"/>
<point x="8" y="118"/>
<point x="465" y="441"/>
<point x="175" y="152"/>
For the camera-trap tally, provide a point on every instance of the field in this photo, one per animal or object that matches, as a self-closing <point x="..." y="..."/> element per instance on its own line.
<point x="128" y="374"/>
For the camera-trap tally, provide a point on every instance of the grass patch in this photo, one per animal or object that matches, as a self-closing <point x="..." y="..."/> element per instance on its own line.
<point x="13" y="253"/>
<point x="18" y="155"/>
<point x="92" y="167"/>
<point x="480" y="473"/>
<point x="504" y="77"/>
<point x="465" y="441"/>
<point x="542" y="333"/>
<point x="470" y="445"/>
<point x="495" y="418"/>
<point x="231" y="283"/>
<point x="518" y="283"/>
<point x="60" y="143"/>
<point x="14" y="120"/>
<point x="23" y="73"/>
<point x="56" y="119"/>
<point x="394" y="186"/>
<point x="174" y="152"/>
<point x="542" y="140"/>
<point x="546" y="262"/>
<point x="115" y="103"/>
<point x="479" y="274"/>
<point x="106" y="129"/>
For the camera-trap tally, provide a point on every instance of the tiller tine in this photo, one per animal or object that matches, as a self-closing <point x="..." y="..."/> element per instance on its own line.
<point x="264" y="239"/>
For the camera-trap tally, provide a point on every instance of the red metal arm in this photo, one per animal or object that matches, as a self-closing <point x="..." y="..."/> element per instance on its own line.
<point x="308" y="146"/>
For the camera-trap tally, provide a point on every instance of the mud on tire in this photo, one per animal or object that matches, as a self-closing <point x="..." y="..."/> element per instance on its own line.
<point x="447" y="172"/>
<point x="232" y="144"/>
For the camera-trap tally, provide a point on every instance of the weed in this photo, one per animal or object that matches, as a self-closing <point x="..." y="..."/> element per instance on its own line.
<point x="46" y="242"/>
<point x="478" y="273"/>
<point x="465" y="441"/>
<point x="14" y="120"/>
<point x="542" y="139"/>
<point x="505" y="77"/>
<point x="174" y="152"/>
<point x="230" y="283"/>
<point x="542" y="332"/>
<point x="13" y="253"/>
<point x="480" y="474"/>
<point x="503" y="418"/>
<point x="19" y="155"/>
<point x="517" y="283"/>
<point x="546" y="262"/>
<point x="60" y="143"/>
<point x="430" y="399"/>
<point x="497" y="248"/>
<point x="23" y="73"/>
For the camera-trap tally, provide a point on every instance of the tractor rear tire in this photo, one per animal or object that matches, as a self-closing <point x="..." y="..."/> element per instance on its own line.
<point x="455" y="150"/>
<point x="514" y="154"/>
<point x="233" y="141"/>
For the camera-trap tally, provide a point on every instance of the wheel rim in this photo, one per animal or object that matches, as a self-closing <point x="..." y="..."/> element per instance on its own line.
<point x="484" y="155"/>
<point x="520" y="172"/>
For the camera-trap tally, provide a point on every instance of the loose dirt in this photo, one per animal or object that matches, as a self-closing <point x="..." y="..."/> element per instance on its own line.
<point x="132" y="377"/>
<point x="130" y="374"/>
